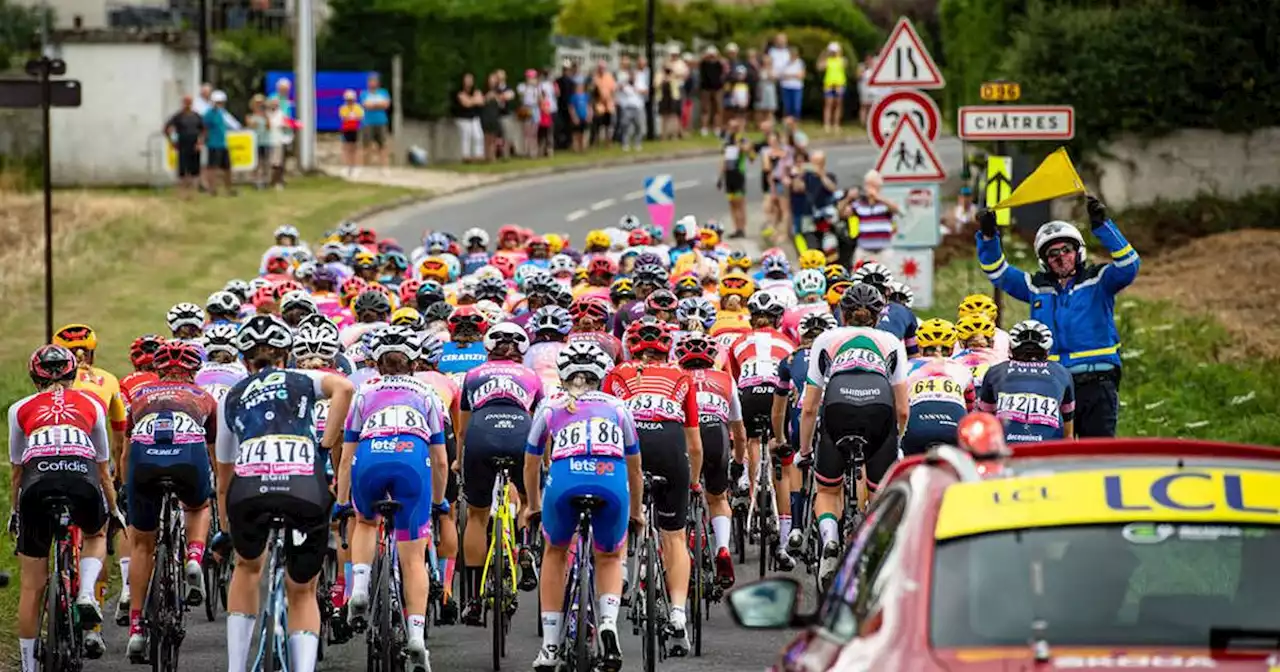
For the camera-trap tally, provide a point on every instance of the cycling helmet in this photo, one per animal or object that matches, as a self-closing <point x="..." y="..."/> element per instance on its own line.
<point x="810" y="282"/>
<point x="588" y="306"/>
<point x="874" y="273"/>
<point x="709" y="238"/>
<point x="492" y="312"/>
<point x="297" y="300"/>
<point x="561" y="264"/>
<point x="394" y="339"/>
<point x="389" y="245"/>
<point x="651" y="275"/>
<point x="899" y="292"/>
<point x="551" y="318"/>
<point x="541" y="284"/>
<point x="1056" y="232"/>
<point x="696" y="347"/>
<point x="977" y="303"/>
<point x="583" y="357"/>
<point x="324" y="275"/>
<point x="217" y="338"/>
<point x="353" y="286"/>
<point x="439" y="311"/>
<point x="277" y="263"/>
<point x="185" y="315"/>
<point x="696" y="309"/>
<point x="285" y="287"/>
<point x="776" y="267"/>
<point x="429" y="293"/>
<point x="73" y="336"/>
<point x="835" y="273"/>
<point x="562" y="296"/>
<point x="936" y="333"/>
<point x="434" y="268"/>
<point x="305" y="270"/>
<point x="263" y="330"/>
<point x="436" y="243"/>
<point x="505" y="265"/>
<point x="738" y="260"/>
<point x="332" y="252"/>
<point x="407" y="317"/>
<point x="713" y="225"/>
<point x="660" y="300"/>
<point x="177" y="355"/>
<point x="467" y="315"/>
<point x="688" y="283"/>
<point x="975" y="324"/>
<point x="629" y="223"/>
<point x="836" y="289"/>
<point x="812" y="259"/>
<point x="818" y="322"/>
<point x="371" y="301"/>
<point x="648" y="333"/>
<point x="143" y="349"/>
<point x="686" y="227"/>
<point x="597" y="240"/>
<point x="367" y="237"/>
<point x="765" y="303"/>
<point x="507" y="332"/>
<point x="476" y="236"/>
<point x="507" y="231"/>
<point x="408" y="291"/>
<point x="51" y="363"/>
<point x="650" y="258"/>
<point x="737" y="284"/>
<point x="536" y="241"/>
<point x="529" y="274"/>
<point x="432" y="348"/>
<point x="263" y="296"/>
<point x="238" y="287"/>
<point x="556" y="242"/>
<point x="639" y="237"/>
<point x="862" y="295"/>
<point x="621" y="290"/>
<point x="491" y="289"/>
<point x="602" y="266"/>
<point x="287" y="230"/>
<point x="395" y="259"/>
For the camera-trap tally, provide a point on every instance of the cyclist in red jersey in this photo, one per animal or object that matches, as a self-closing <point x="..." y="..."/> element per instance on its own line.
<point x="142" y="355"/>
<point x="58" y="447"/>
<point x="664" y="402"/>
<point x="590" y="319"/>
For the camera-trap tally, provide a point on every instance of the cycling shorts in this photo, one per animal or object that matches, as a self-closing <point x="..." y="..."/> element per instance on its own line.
<point x="715" y="456"/>
<point x="858" y="404"/>
<point x="931" y="422"/>
<point x="602" y="477"/>
<point x="306" y="539"/>
<point x="757" y="409"/>
<point x="36" y="527"/>
<point x="495" y="431"/>
<point x="663" y="453"/>
<point x="451" y="454"/>
<point x="398" y="467"/>
<point x="185" y="464"/>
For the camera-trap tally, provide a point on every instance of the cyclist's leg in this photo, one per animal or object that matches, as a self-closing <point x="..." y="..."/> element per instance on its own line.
<point x="559" y="523"/>
<point x="35" y="536"/>
<point x="447" y="544"/>
<point x="144" y="518"/>
<point x="194" y="491"/>
<point x="411" y="487"/>
<point x="89" y="513"/>
<point x="371" y="474"/>
<point x="715" y="475"/>
<point x="882" y="443"/>
<point x="304" y="558"/>
<point x="664" y="453"/>
<point x="249" y="539"/>
<point x="478" y="478"/>
<point x="609" y="534"/>
<point x="829" y="464"/>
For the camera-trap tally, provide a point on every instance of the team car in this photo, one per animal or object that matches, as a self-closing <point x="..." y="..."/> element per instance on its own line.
<point x="1153" y="554"/>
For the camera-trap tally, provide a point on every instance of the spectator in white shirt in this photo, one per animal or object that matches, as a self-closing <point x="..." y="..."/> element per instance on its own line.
<point x="792" y="84"/>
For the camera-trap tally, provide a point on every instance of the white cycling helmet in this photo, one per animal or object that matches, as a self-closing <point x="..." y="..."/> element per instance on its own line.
<point x="874" y="273"/>
<point x="583" y="357"/>
<point x="551" y="318"/>
<point x="287" y="230"/>
<point x="305" y="270"/>
<point x="475" y="235"/>
<point x="258" y="283"/>
<point x="264" y="330"/>
<point x="1056" y="232"/>
<point x="1033" y="332"/>
<point x="506" y="331"/>
<point x="316" y="338"/>
<point x="220" y="338"/>
<point x="696" y="308"/>
<point x="629" y="223"/>
<point x="819" y="320"/>
<point x="810" y="282"/>
<point x="223" y="302"/>
<point x="765" y="303"/>
<point x="395" y="339"/>
<point x="185" y="315"/>
<point x="238" y="287"/>
<point x="492" y="312"/>
<point x="561" y="264"/>
<point x="617" y="238"/>
<point x="900" y="292"/>
<point x="485" y="272"/>
<point x="298" y="298"/>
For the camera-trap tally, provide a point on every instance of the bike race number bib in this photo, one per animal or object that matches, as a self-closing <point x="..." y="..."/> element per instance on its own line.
<point x="394" y="420"/>
<point x="655" y="408"/>
<point x="276" y="455"/>
<point x="1028" y="408"/>
<point x="177" y="427"/>
<point x="218" y="391"/>
<point x="321" y="414"/>
<point x="937" y="389"/>
<point x="758" y="371"/>
<point x="600" y="437"/>
<point x="59" y="441"/>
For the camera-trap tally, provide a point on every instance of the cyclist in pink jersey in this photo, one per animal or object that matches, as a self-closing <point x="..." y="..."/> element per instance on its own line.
<point x="975" y="333"/>
<point x="810" y="288"/>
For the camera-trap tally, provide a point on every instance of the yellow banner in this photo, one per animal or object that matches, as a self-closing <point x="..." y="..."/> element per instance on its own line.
<point x="242" y="145"/>
<point x="1055" y="177"/>
<point x="1111" y="496"/>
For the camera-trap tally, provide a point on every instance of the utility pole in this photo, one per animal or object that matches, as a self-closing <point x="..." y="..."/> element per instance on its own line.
<point x="203" y="28"/>
<point x="305" y="87"/>
<point x="650" y="17"/>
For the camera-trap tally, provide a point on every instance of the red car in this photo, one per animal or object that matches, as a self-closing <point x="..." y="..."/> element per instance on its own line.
<point x="1152" y="554"/>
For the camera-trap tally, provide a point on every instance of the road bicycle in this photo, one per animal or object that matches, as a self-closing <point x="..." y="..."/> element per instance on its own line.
<point x="499" y="578"/>
<point x="62" y="647"/>
<point x="650" y="604"/>
<point x="387" y="640"/>
<point x="810" y="546"/>
<point x="579" y="644"/>
<point x="762" y="513"/>
<point x="162" y="615"/>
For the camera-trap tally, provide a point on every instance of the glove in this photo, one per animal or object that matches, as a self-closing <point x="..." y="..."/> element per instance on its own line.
<point x="987" y="223"/>
<point x="220" y="544"/>
<point x="696" y="488"/>
<point x="1097" y="211"/>
<point x="804" y="460"/>
<point x="783" y="451"/>
<point x="340" y="511"/>
<point x="440" y="509"/>
<point x="13" y="523"/>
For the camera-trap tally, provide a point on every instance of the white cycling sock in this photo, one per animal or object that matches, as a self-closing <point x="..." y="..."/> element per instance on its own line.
<point x="90" y="568"/>
<point x="720" y="526"/>
<point x="303" y="647"/>
<point x="28" y="648"/>
<point x="239" y="637"/>
<point x="678" y="619"/>
<point x="829" y="528"/>
<point x="417" y="627"/>
<point x="550" y="628"/>
<point x="784" y="529"/>
<point x="360" y="579"/>
<point x="124" y="573"/>
<point x="607" y="607"/>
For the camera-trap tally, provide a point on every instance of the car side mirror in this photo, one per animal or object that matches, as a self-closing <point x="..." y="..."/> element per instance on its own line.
<point x="769" y="604"/>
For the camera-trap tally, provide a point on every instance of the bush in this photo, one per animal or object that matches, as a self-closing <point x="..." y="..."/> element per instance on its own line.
<point x="244" y="57"/>
<point x="19" y="32"/>
<point x="1165" y="225"/>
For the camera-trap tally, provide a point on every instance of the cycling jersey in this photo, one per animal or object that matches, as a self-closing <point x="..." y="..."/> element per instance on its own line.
<point x="898" y="320"/>
<point x="590" y="438"/>
<point x="941" y="392"/>
<point x="459" y="358"/>
<point x="131" y="382"/>
<point x="541" y="357"/>
<point x="173" y="422"/>
<point x="395" y="420"/>
<point x="629" y="312"/>
<point x="654" y="392"/>
<point x="607" y="342"/>
<point x="856" y="350"/>
<point x="791" y="319"/>
<point x="999" y="344"/>
<point x="501" y="383"/>
<point x="754" y="358"/>
<point x="500" y="397"/>
<point x="329" y="305"/>
<point x="446" y="390"/>
<point x="106" y="388"/>
<point x="217" y="379"/>
<point x="474" y="261"/>
<point x="352" y="334"/>
<point x="979" y="360"/>
<point x="792" y="372"/>
<point x="58" y="437"/>
<point x="1033" y="399"/>
<point x="718" y="405"/>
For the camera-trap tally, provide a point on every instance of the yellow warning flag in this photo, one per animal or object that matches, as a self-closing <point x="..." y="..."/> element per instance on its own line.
<point x="1053" y="178"/>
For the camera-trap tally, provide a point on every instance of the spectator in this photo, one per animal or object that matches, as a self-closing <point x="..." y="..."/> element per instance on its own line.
<point x="624" y="75"/>
<point x="630" y="115"/>
<point x="874" y="93"/>
<point x="467" y="104"/>
<point x="579" y="116"/>
<point x="491" y="118"/>
<point x="257" y="122"/>
<point x="506" y="106"/>
<point x="711" y="80"/>
<point x="203" y="100"/>
<point x="835" y="79"/>
<point x="285" y="104"/>
<point x="669" y="104"/>
<point x="778" y="158"/>
<point x="644" y="86"/>
<point x="738" y="95"/>
<point x="864" y="89"/>
<point x="766" y="99"/>
<point x="1078" y="298"/>
<point x="689" y="91"/>
<point x="779" y="58"/>
<point x="605" y="88"/>
<point x="566" y="85"/>
<point x="185" y="133"/>
<point x="961" y="215"/>
<point x="530" y="112"/>
<point x="737" y="151"/>
<point x="218" y="160"/>
<point x="550" y="104"/>
<point x="351" y="115"/>
<point x="792" y="85"/>
<point x="280" y="132"/>
<point x="875" y="221"/>
<point x="376" y="101"/>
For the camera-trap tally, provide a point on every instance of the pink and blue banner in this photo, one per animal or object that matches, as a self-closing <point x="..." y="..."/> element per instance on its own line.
<point x="660" y="198"/>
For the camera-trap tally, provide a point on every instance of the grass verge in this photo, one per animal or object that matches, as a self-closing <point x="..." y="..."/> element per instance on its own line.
<point x="121" y="260"/>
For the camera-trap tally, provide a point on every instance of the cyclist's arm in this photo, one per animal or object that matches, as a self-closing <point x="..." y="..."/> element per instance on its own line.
<point x="119" y="419"/>
<point x="809" y="404"/>
<point x="224" y="452"/>
<point x="439" y="457"/>
<point x="17" y="446"/>
<point x="534" y="448"/>
<point x="778" y="415"/>
<point x="103" y="456"/>
<point x="635" y="470"/>
<point x="898" y="379"/>
<point x="692" y="435"/>
<point x="339" y="391"/>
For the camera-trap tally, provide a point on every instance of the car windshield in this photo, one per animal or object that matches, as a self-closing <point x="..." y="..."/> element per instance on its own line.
<point x="1138" y="584"/>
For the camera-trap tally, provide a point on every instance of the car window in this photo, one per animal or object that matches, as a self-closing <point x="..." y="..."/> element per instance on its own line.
<point x="857" y="584"/>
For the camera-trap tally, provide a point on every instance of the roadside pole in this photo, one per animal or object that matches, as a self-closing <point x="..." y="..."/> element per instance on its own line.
<point x="650" y="18"/>
<point x="397" y="108"/>
<point x="305" y="89"/>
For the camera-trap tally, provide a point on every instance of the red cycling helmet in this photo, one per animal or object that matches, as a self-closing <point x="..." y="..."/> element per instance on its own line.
<point x="535" y="240"/>
<point x="52" y="363"/>
<point x="367" y="237"/>
<point x="454" y="248"/>
<point x="468" y="315"/>
<point x="696" y="347"/>
<point x="648" y="334"/>
<point x="409" y="292"/>
<point x="177" y="355"/>
<point x="602" y="266"/>
<point x="639" y="237"/>
<point x="278" y="264"/>
<point x="263" y="296"/>
<point x="504" y="263"/>
<point x="143" y="350"/>
<point x="353" y="286"/>
<point x="662" y="300"/>
<point x="285" y="286"/>
<point x="589" y="306"/>
<point x="389" y="244"/>
<point x="509" y="231"/>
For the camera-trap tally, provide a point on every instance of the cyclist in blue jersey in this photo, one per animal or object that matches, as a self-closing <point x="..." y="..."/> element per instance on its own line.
<point x="222" y="307"/>
<point x="269" y="464"/>
<point x="394" y="447"/>
<point x="896" y="318"/>
<point x="476" y="255"/>
<point x="465" y="350"/>
<point x="1032" y="396"/>
<point x="592" y="439"/>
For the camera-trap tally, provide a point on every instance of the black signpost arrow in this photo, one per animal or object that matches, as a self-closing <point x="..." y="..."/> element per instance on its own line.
<point x="44" y="93"/>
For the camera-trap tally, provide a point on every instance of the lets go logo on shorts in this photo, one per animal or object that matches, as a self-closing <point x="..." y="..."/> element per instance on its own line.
<point x="390" y="446"/>
<point x="590" y="465"/>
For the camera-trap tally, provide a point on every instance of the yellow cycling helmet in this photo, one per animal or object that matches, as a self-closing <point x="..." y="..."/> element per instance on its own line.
<point x="364" y="259"/>
<point x="936" y="333"/>
<point x="407" y="316"/>
<point x="836" y="289"/>
<point x="434" y="268"/>
<point x="835" y="273"/>
<point x="978" y="303"/>
<point x="74" y="336"/>
<point x="812" y="259"/>
<point x="555" y="242"/>
<point x="737" y="284"/>
<point x="737" y="261"/>
<point x="580" y="275"/>
<point x="708" y="238"/>
<point x="974" y="324"/>
<point x="598" y="238"/>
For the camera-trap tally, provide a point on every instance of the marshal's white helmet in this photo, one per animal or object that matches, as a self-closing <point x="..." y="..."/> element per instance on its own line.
<point x="1056" y="232"/>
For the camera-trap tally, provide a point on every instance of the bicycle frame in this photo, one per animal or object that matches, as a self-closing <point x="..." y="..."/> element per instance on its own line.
<point x="62" y="647"/>
<point x="273" y="615"/>
<point x="165" y="605"/>
<point x="386" y="598"/>
<point x="504" y="532"/>
<point x="579" y="602"/>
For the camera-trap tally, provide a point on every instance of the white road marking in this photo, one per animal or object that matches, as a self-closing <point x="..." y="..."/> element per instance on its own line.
<point x="601" y="205"/>
<point x="634" y="196"/>
<point x="687" y="184"/>
<point x="575" y="215"/>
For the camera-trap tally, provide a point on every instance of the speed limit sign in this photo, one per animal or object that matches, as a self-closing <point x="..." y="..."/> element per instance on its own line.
<point x="893" y="107"/>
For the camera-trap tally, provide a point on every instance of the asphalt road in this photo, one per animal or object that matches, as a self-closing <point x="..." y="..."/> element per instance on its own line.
<point x="577" y="202"/>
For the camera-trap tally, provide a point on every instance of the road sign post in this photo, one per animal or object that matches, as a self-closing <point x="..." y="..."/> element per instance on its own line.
<point x="904" y="61"/>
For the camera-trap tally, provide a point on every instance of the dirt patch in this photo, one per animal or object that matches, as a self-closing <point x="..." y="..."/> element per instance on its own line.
<point x="1235" y="277"/>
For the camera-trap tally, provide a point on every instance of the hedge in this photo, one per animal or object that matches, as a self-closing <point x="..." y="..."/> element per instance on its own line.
<point x="1165" y="225"/>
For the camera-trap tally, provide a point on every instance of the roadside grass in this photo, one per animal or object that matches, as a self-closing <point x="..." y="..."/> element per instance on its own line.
<point x="122" y="258"/>
<point x="1183" y="375"/>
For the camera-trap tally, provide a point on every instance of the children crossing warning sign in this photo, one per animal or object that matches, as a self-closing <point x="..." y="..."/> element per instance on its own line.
<point x="908" y="156"/>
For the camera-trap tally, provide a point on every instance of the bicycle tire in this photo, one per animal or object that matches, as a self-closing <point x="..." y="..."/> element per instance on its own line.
<point x="385" y="633"/>
<point x="212" y="572"/>
<point x="155" y="604"/>
<point x="762" y="508"/>
<point x="700" y="551"/>
<point x="373" y="650"/>
<point x="584" y="662"/>
<point x="51" y="646"/>
<point x="740" y="536"/>
<point x="497" y="597"/>
<point x="651" y="579"/>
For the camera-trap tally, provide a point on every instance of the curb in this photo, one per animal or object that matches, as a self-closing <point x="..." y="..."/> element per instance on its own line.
<point x="521" y="175"/>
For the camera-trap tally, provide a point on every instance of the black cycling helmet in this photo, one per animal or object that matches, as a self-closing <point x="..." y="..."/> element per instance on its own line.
<point x="372" y="301"/>
<point x="429" y="294"/>
<point x="862" y="295"/>
<point x="438" y="312"/>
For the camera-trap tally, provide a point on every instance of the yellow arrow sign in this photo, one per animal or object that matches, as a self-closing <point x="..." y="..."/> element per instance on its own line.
<point x="999" y="185"/>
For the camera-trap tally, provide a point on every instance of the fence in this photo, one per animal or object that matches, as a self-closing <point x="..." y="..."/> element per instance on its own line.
<point x="579" y="51"/>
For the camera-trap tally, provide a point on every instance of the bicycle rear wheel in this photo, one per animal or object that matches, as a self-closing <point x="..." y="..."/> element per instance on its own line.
<point x="56" y="632"/>
<point x="583" y="648"/>
<point x="385" y="623"/>
<point x="700" y="552"/>
<point x="497" y="603"/>
<point x="651" y="580"/>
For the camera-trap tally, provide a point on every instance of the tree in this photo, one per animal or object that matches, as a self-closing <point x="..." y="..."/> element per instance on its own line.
<point x="19" y="31"/>
<point x="591" y="19"/>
